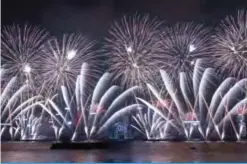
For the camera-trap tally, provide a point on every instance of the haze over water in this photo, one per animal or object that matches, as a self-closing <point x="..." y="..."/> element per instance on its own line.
<point x="133" y="152"/>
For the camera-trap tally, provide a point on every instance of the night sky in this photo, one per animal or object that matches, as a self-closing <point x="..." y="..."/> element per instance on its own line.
<point x="93" y="17"/>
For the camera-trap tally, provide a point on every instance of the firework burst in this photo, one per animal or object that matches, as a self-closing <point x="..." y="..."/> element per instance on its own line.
<point x="150" y="124"/>
<point x="21" y="51"/>
<point x="15" y="102"/>
<point x="89" y="115"/>
<point x="207" y="108"/>
<point x="231" y="45"/>
<point x="62" y="61"/>
<point x="181" y="45"/>
<point x="131" y="48"/>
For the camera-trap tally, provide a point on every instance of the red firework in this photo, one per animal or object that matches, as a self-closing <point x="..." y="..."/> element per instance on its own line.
<point x="163" y="103"/>
<point x="96" y="108"/>
<point x="191" y="116"/>
<point x="77" y="117"/>
<point x="242" y="111"/>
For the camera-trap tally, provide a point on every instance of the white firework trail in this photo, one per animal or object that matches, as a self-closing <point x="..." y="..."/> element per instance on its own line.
<point x="25" y="126"/>
<point x="150" y="124"/>
<point x="90" y="115"/>
<point x="208" y="107"/>
<point x="14" y="102"/>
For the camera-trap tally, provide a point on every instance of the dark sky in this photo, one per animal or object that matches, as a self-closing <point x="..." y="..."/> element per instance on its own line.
<point x="93" y="17"/>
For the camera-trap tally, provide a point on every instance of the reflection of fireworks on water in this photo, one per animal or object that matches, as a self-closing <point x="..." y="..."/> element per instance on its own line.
<point x="181" y="45"/>
<point x="231" y="45"/>
<point x="21" y="50"/>
<point x="62" y="61"/>
<point x="132" y="50"/>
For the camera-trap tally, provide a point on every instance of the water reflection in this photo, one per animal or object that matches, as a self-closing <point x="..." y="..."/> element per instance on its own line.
<point x="134" y="152"/>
